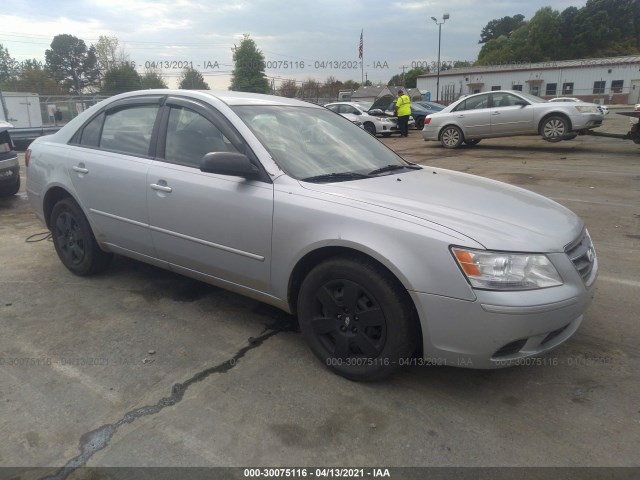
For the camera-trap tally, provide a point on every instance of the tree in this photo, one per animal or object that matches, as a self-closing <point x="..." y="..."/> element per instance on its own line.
<point x="544" y="35"/>
<point x="8" y="65"/>
<point x="72" y="64"/>
<point x="248" y="71"/>
<point x="119" y="79"/>
<point x="503" y="26"/>
<point x="192" y="79"/>
<point x="106" y="52"/>
<point x="152" y="79"/>
<point x="32" y="77"/>
<point x="288" y="88"/>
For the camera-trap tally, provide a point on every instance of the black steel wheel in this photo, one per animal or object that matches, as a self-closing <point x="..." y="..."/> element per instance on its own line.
<point x="357" y="318"/>
<point x="74" y="241"/>
<point x="451" y="137"/>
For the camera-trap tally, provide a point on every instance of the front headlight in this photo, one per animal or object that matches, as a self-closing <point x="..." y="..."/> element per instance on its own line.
<point x="587" y="109"/>
<point x="506" y="271"/>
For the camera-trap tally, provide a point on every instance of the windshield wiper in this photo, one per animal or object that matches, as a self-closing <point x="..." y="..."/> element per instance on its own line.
<point x="336" y="177"/>
<point x="391" y="168"/>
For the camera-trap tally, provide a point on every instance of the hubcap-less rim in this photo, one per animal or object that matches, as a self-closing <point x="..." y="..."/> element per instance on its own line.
<point x="347" y="321"/>
<point x="69" y="238"/>
<point x="554" y="128"/>
<point x="450" y="137"/>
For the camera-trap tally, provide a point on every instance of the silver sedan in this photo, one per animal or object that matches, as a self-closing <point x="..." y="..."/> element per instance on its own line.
<point x="290" y="204"/>
<point x="506" y="113"/>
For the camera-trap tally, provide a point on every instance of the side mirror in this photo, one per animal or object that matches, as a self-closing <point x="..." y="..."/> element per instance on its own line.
<point x="229" y="163"/>
<point x="522" y="103"/>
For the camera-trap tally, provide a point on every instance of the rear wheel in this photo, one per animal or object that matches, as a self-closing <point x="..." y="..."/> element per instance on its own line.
<point x="74" y="241"/>
<point x="419" y="123"/>
<point x="356" y="318"/>
<point x="451" y="137"/>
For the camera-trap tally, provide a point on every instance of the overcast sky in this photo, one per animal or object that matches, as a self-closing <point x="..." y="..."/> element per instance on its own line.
<point x="396" y="33"/>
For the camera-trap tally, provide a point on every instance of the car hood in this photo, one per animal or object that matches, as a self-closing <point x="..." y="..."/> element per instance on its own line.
<point x="497" y="215"/>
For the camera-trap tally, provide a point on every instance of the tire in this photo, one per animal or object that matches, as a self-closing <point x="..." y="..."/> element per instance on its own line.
<point x="554" y="127"/>
<point x="74" y="241"/>
<point x="451" y="137"/>
<point x="419" y="123"/>
<point x="370" y="127"/>
<point x="11" y="190"/>
<point x="386" y="134"/>
<point x="472" y="142"/>
<point x="357" y="318"/>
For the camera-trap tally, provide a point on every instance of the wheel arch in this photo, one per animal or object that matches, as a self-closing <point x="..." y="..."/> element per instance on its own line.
<point x="306" y="263"/>
<point x="555" y="114"/>
<point x="53" y="196"/>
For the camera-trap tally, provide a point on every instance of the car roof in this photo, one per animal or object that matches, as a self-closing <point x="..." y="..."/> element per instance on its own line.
<point x="228" y="97"/>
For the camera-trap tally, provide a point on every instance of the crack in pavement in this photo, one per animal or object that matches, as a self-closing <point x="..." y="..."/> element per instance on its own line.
<point x="95" y="440"/>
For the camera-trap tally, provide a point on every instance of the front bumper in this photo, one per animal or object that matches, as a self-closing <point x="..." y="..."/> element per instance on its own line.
<point x="500" y="329"/>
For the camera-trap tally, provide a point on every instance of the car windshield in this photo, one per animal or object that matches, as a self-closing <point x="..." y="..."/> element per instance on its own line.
<point x="365" y="106"/>
<point x="309" y="142"/>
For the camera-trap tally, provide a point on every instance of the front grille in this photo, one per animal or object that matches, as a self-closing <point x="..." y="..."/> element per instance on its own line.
<point x="582" y="255"/>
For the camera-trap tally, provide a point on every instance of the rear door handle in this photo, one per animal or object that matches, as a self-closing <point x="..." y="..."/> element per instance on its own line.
<point x="80" y="169"/>
<point x="161" y="188"/>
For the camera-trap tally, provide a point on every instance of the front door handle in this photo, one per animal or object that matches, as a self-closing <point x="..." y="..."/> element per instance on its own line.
<point x="161" y="188"/>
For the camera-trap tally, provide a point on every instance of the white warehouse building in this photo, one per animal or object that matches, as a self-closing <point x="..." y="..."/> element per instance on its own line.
<point x="614" y="80"/>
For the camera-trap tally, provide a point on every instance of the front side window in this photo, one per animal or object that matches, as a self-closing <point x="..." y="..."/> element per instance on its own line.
<point x="504" y="100"/>
<point x="128" y="130"/>
<point x="190" y="136"/>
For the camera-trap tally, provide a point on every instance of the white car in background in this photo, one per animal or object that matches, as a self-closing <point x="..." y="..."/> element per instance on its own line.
<point x="603" y="108"/>
<point x="374" y="121"/>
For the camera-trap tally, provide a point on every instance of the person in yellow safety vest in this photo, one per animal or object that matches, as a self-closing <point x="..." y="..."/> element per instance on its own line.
<point x="403" y="109"/>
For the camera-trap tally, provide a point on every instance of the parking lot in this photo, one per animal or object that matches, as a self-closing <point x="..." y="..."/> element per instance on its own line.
<point x="141" y="367"/>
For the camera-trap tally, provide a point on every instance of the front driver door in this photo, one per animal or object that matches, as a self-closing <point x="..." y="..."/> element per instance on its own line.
<point x="216" y="225"/>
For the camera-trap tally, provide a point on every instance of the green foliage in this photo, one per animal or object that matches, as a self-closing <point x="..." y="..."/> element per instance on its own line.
<point x="192" y="79"/>
<point x="32" y="77"/>
<point x="153" y="79"/>
<point x="248" y="71"/>
<point x="503" y="26"/>
<point x="72" y="64"/>
<point x="602" y="28"/>
<point x="8" y="67"/>
<point x="410" y="78"/>
<point x="120" y="79"/>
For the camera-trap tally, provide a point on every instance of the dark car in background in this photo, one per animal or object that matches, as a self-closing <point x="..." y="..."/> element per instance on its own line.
<point x="9" y="166"/>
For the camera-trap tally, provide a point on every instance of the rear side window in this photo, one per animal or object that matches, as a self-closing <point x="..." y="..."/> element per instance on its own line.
<point x="129" y="129"/>
<point x="91" y="132"/>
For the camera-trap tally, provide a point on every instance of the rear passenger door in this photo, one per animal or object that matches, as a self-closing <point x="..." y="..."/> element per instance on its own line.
<point x="473" y="115"/>
<point x="216" y="225"/>
<point x="108" y="161"/>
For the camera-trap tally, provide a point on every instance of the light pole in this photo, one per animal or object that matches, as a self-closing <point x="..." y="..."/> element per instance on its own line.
<point x="445" y="17"/>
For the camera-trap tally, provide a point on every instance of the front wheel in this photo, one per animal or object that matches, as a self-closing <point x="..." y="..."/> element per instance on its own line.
<point x="370" y="127"/>
<point x="74" y="241"/>
<point x="357" y="318"/>
<point x="554" y="128"/>
<point x="451" y="137"/>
